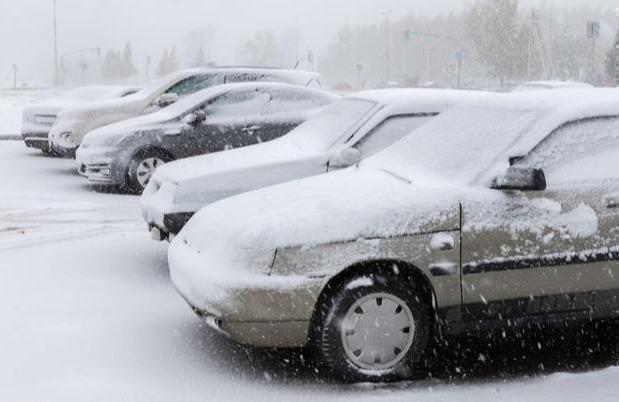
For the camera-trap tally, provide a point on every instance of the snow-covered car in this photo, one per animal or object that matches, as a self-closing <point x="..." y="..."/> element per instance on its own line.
<point x="551" y="85"/>
<point x="216" y="119"/>
<point x="72" y="125"/>
<point x="38" y="120"/>
<point x="497" y="216"/>
<point x="341" y="135"/>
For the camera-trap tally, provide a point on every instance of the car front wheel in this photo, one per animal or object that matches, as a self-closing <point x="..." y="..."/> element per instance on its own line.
<point x="374" y="329"/>
<point x="142" y="167"/>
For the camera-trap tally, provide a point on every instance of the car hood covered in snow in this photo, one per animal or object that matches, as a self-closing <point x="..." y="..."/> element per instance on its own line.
<point x="347" y="205"/>
<point x="216" y="163"/>
<point x="101" y="135"/>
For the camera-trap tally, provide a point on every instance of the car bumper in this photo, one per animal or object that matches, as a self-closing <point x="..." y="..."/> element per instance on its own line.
<point x="172" y="226"/>
<point x="101" y="167"/>
<point x="159" y="211"/>
<point x="254" y="309"/>
<point x="37" y="140"/>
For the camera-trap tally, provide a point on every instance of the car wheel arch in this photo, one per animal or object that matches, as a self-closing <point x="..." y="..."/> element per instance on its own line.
<point x="391" y="267"/>
<point x="140" y="152"/>
<point x="155" y="149"/>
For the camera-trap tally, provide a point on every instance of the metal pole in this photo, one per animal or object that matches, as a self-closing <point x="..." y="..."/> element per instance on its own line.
<point x="530" y="49"/>
<point x="387" y="58"/>
<point x="14" y="76"/>
<point x="56" y="73"/>
<point x="617" y="50"/>
<point x="593" y="59"/>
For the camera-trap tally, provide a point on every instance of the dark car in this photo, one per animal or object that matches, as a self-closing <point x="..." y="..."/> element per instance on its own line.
<point x="216" y="119"/>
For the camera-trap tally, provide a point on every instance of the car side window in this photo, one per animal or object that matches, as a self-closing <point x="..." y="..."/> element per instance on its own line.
<point x="193" y="84"/>
<point x="238" y="104"/>
<point x="283" y="101"/>
<point x="586" y="150"/>
<point x="390" y="131"/>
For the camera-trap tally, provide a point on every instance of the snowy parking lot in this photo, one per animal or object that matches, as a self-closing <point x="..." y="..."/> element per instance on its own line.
<point x="89" y="314"/>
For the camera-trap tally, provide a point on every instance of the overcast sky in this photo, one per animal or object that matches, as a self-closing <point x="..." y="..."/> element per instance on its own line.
<point x="26" y="25"/>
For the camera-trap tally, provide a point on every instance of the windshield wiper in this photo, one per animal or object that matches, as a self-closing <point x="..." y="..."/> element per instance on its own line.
<point x="397" y="176"/>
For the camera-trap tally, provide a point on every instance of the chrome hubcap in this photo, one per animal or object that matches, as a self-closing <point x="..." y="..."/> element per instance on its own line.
<point x="378" y="331"/>
<point x="146" y="169"/>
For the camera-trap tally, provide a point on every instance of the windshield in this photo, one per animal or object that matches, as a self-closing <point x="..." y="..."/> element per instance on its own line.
<point x="149" y="89"/>
<point x="324" y="130"/>
<point x="459" y="145"/>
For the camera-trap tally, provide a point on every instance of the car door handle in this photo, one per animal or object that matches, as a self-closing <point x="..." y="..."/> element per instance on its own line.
<point x="442" y="242"/>
<point x="250" y="128"/>
<point x="611" y="201"/>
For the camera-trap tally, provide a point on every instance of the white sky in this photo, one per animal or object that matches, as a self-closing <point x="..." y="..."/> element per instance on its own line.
<point x="151" y="25"/>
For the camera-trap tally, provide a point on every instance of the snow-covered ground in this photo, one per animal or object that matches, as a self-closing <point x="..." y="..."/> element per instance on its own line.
<point x="88" y="313"/>
<point x="13" y="102"/>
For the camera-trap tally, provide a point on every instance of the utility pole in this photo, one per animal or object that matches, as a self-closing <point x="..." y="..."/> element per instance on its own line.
<point x="148" y="61"/>
<point x="617" y="50"/>
<point x="387" y="14"/>
<point x="56" y="73"/>
<point x="593" y="33"/>
<point x="14" y="76"/>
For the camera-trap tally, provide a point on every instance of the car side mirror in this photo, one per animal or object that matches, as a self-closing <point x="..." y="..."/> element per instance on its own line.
<point x="194" y="118"/>
<point x="165" y="100"/>
<point x="345" y="157"/>
<point x="521" y="179"/>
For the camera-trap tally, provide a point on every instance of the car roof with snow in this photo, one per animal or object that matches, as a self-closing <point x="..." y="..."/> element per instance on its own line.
<point x="491" y="132"/>
<point x="403" y="100"/>
<point x="197" y="98"/>
<point x="297" y="77"/>
<point x="533" y="85"/>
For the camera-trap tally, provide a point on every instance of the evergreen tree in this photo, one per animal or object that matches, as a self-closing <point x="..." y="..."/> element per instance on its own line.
<point x="129" y="69"/>
<point x="162" y="67"/>
<point x="492" y="27"/>
<point x="200" y="60"/>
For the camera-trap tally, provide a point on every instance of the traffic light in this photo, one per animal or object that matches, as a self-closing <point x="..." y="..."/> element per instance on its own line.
<point x="409" y="34"/>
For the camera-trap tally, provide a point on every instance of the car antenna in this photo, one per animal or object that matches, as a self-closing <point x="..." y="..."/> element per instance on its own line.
<point x="296" y="65"/>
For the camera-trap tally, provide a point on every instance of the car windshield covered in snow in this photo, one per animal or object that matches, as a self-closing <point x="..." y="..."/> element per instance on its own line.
<point x="334" y="122"/>
<point x="460" y="145"/>
<point x="182" y="88"/>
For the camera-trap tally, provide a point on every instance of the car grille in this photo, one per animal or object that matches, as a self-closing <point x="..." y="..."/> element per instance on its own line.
<point x="45" y="119"/>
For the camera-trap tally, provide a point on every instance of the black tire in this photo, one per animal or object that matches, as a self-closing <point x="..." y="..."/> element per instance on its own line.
<point x="133" y="184"/>
<point x="328" y="342"/>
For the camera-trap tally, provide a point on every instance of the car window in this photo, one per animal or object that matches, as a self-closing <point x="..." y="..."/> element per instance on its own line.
<point x="580" y="151"/>
<point x="243" y="103"/>
<point x="251" y="77"/>
<point x="193" y="84"/>
<point x="332" y="124"/>
<point x="390" y="131"/>
<point x="283" y="101"/>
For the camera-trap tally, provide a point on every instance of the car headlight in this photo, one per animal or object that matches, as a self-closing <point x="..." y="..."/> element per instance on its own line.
<point x="66" y="139"/>
<point x="84" y="115"/>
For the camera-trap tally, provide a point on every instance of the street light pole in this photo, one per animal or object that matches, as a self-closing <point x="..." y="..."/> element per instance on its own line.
<point x="387" y="55"/>
<point x="56" y="74"/>
<point x="616" y="66"/>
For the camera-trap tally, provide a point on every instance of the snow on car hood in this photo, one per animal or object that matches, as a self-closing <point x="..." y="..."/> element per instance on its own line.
<point x="254" y="156"/>
<point x="100" y="135"/>
<point x="346" y="205"/>
<point x="107" y="106"/>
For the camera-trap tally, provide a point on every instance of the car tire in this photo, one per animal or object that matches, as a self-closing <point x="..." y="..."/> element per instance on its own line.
<point x="374" y="328"/>
<point x="142" y="167"/>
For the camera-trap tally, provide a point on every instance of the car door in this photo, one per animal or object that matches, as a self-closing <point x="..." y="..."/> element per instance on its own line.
<point x="553" y="251"/>
<point x="233" y="120"/>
